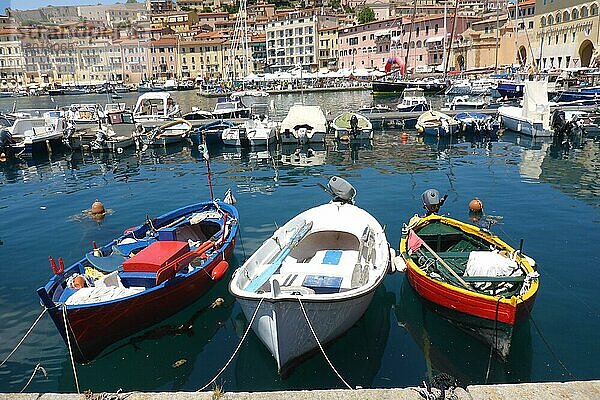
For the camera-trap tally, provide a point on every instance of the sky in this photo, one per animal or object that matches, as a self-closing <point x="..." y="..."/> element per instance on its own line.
<point x="33" y="4"/>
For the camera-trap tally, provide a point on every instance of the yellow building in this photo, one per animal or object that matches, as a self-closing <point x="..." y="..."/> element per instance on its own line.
<point x="180" y="21"/>
<point x="567" y="35"/>
<point x="328" y="48"/>
<point x="12" y="62"/>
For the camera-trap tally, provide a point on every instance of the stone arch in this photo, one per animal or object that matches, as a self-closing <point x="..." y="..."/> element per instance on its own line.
<point x="460" y="62"/>
<point x="575" y="14"/>
<point x="543" y="22"/>
<point x="550" y="20"/>
<point x="586" y="50"/>
<point x="566" y="16"/>
<point x="584" y="12"/>
<point x="594" y="9"/>
<point x="522" y="55"/>
<point x="557" y="18"/>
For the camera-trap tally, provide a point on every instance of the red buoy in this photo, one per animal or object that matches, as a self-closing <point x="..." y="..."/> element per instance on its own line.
<point x="78" y="282"/>
<point x="219" y="271"/>
<point x="476" y="205"/>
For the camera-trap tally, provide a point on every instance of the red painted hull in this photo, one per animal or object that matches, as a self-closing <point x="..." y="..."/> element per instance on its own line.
<point x="92" y="329"/>
<point x="474" y="305"/>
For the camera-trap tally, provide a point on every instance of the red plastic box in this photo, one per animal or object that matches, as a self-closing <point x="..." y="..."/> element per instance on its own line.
<point x="156" y="256"/>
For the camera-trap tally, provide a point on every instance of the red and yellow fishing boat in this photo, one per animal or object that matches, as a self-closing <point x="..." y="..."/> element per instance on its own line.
<point x="470" y="276"/>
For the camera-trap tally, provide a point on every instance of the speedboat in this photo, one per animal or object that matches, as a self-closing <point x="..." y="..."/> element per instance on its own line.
<point x="303" y="124"/>
<point x="116" y="134"/>
<point x="253" y="132"/>
<point x="227" y="108"/>
<point x="158" y="119"/>
<point x="533" y="118"/>
<point x="437" y="124"/>
<point x="25" y="134"/>
<point x="474" y="278"/>
<point x="465" y="103"/>
<point x="459" y="87"/>
<point x="140" y="278"/>
<point x="210" y="132"/>
<point x="314" y="278"/>
<point x="413" y="101"/>
<point x="197" y="114"/>
<point x="352" y="126"/>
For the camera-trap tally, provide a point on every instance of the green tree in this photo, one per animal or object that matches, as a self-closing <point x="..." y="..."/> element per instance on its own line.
<point x="131" y="1"/>
<point x="366" y="14"/>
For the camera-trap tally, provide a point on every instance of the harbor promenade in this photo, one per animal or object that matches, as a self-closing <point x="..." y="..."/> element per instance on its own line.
<point x="579" y="390"/>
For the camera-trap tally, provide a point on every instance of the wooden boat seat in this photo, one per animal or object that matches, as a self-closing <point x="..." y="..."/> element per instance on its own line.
<point x="511" y="279"/>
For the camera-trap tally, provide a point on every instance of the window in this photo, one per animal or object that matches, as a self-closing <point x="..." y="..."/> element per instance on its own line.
<point x="584" y="12"/>
<point x="575" y="14"/>
<point x="594" y="9"/>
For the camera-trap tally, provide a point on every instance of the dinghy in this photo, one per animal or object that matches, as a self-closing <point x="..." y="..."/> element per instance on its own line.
<point x="352" y="126"/>
<point x="436" y="123"/>
<point x="477" y="123"/>
<point x="258" y="131"/>
<point x="317" y="273"/>
<point x="142" y="277"/>
<point x="471" y="276"/>
<point x="303" y="124"/>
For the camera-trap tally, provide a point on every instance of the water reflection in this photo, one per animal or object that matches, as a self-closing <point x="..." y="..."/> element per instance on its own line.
<point x="356" y="355"/>
<point x="448" y="349"/>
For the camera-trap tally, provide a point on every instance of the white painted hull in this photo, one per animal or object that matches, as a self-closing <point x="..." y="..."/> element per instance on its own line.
<point x="295" y="137"/>
<point x="524" y="126"/>
<point x="283" y="329"/>
<point x="333" y="268"/>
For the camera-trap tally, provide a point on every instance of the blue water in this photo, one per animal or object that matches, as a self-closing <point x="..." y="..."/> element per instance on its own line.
<point x="532" y="190"/>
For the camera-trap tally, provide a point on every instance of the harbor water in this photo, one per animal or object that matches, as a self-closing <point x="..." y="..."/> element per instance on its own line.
<point x="544" y="193"/>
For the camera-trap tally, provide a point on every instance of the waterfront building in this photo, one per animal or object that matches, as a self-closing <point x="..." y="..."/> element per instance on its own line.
<point x="134" y="53"/>
<point x="258" y="51"/>
<point x="177" y="21"/>
<point x="567" y="34"/>
<point x="12" y="62"/>
<point x="524" y="50"/>
<point x="163" y="60"/>
<point x="213" y="19"/>
<point x="366" y="45"/>
<point x="292" y="38"/>
<point x="328" y="48"/>
<point x="113" y="14"/>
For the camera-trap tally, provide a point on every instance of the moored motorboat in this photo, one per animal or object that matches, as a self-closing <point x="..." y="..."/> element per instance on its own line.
<point x="303" y="124"/>
<point x="140" y="278"/>
<point x="436" y="123"/>
<point x="478" y="123"/>
<point x="413" y="101"/>
<point x="210" y="132"/>
<point x="472" y="276"/>
<point x="253" y="132"/>
<point x="465" y="103"/>
<point x="317" y="273"/>
<point x="352" y="126"/>
<point x="533" y="118"/>
<point x="24" y="134"/>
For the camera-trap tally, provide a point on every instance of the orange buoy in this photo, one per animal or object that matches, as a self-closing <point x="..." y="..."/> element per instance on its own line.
<point x="219" y="271"/>
<point x="476" y="205"/>
<point x="2" y="157"/>
<point x="78" y="282"/>
<point x="404" y="137"/>
<point x="98" y="208"/>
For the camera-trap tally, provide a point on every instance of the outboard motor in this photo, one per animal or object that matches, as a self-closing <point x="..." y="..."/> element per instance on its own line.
<point x="341" y="190"/>
<point x="354" y="124"/>
<point x="5" y="141"/>
<point x="432" y="201"/>
<point x="559" y="122"/>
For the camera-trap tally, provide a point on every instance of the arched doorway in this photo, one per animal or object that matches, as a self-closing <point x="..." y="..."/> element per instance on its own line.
<point x="522" y="55"/>
<point x="585" y="53"/>
<point x="460" y="62"/>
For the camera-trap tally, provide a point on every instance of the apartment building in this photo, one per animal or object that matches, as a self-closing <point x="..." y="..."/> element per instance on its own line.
<point x="292" y="38"/>
<point x="162" y="59"/>
<point x="177" y="21"/>
<point x="134" y="53"/>
<point x="366" y="45"/>
<point x="12" y="61"/>
<point x="328" y="48"/>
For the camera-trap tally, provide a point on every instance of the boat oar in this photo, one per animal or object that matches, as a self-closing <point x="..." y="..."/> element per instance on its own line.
<point x="454" y="274"/>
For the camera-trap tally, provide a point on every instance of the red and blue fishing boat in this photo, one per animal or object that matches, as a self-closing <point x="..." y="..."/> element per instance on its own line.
<point x="142" y="277"/>
<point x="470" y="276"/>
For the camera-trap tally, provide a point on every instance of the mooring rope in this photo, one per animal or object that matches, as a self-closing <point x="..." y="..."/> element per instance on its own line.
<point x="495" y="343"/>
<point x="37" y="368"/>
<point x="24" y="337"/>
<point x="69" y="346"/>
<point x="237" y="348"/>
<point x="321" y="347"/>
<point x="558" y="360"/>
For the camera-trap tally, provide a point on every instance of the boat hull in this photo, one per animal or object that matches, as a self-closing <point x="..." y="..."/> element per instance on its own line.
<point x="283" y="329"/>
<point x="524" y="126"/>
<point x="95" y="326"/>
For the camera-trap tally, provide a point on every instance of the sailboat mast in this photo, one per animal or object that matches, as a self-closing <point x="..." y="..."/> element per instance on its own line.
<point x="451" y="38"/>
<point x="516" y="33"/>
<point x="412" y="23"/>
<point x="497" y="35"/>
<point x="444" y="38"/>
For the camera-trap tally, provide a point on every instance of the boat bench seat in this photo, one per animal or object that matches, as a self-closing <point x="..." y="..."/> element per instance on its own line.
<point x="519" y="278"/>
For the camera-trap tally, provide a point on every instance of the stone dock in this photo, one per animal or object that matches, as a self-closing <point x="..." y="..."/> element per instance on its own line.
<point x="577" y="390"/>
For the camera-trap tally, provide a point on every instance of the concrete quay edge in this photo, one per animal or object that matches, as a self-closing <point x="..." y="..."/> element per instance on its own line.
<point x="577" y="390"/>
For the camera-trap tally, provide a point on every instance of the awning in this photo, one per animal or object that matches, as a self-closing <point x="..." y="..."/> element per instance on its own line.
<point x="434" y="39"/>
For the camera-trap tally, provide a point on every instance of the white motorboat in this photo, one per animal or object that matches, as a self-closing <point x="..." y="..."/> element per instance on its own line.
<point x="465" y="103"/>
<point x="352" y="126"/>
<point x="228" y="108"/>
<point x="116" y="134"/>
<point x="533" y="118"/>
<point x="251" y="98"/>
<point x="84" y="116"/>
<point x="459" y="87"/>
<point x="24" y="134"/>
<point x="303" y="124"/>
<point x="158" y="119"/>
<point x="253" y="132"/>
<point x="317" y="273"/>
<point x="413" y="100"/>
